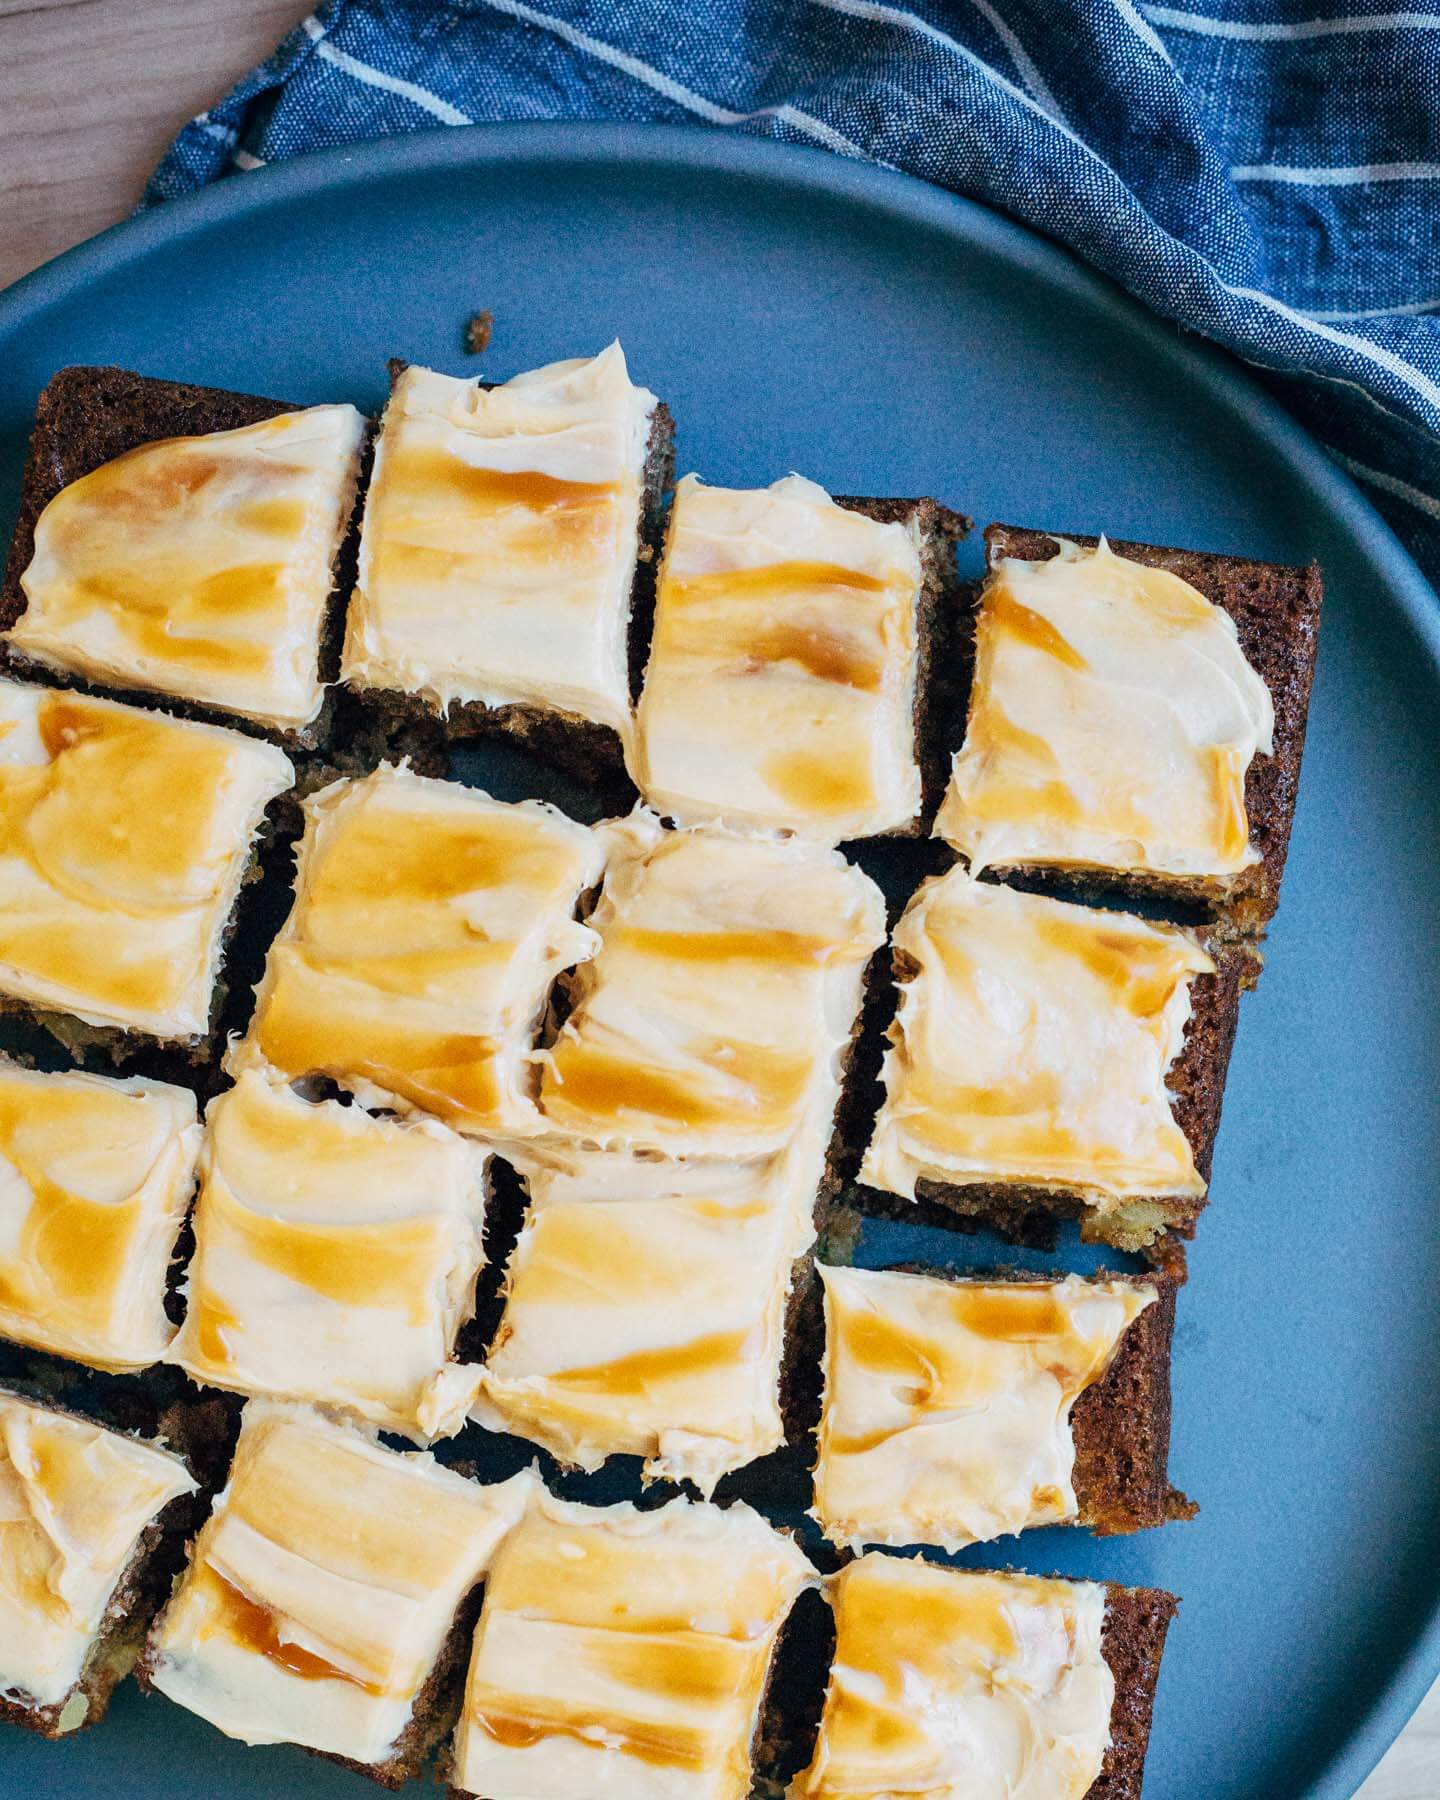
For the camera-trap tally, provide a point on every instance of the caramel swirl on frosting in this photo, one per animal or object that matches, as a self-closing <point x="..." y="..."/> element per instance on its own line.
<point x="947" y="1403"/>
<point x="645" y="1309"/>
<point x="74" y="1501"/>
<point x="95" y="1180"/>
<point x="781" y="685"/>
<point x="200" y="566"/>
<point x="429" y="923"/>
<point x="1031" y="1046"/>
<point x="500" y="540"/>
<point x="622" y="1651"/>
<point x="726" y="985"/>
<point x="955" y="1684"/>
<point x="335" y="1257"/>
<point x="1113" y="717"/>
<point x="123" y="840"/>
<point x="324" y="1584"/>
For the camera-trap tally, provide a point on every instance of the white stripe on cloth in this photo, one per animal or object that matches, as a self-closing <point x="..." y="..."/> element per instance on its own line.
<point x="1389" y="484"/>
<point x="672" y="90"/>
<point x="1261" y="33"/>
<point x="1138" y="24"/>
<point x="1336" y="177"/>
<point x="860" y="9"/>
<point x="879" y="14"/>
<point x="1376" y="353"/>
<point x="377" y="78"/>
<point x="1409" y="311"/>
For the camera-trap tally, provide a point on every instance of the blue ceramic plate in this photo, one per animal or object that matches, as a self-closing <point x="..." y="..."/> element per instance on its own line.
<point x="800" y="312"/>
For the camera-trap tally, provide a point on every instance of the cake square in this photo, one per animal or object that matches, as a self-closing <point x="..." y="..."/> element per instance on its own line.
<point x="625" y="1652"/>
<point x="183" y="541"/>
<point x="716" y="1016"/>
<point x="1049" y="1056"/>
<point x="958" y="1410"/>
<point x="83" y="1512"/>
<point x="1136" y="720"/>
<point x="329" y="1595"/>
<point x="335" y="1259"/>
<point x="503" y="531"/>
<point x="789" y="665"/>
<point x="428" y="926"/>
<point x="958" y="1682"/>
<point x="124" y="838"/>
<point x="646" y="1311"/>
<point x="95" y="1182"/>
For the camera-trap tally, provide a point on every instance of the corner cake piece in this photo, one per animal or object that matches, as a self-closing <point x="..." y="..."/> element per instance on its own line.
<point x="1029" y="1061"/>
<point x="716" y="1016"/>
<point x="335" y="1258"/>
<point x="83" y="1511"/>
<point x="429" y="923"/>
<point x="646" y="1306"/>
<point x="790" y="661"/>
<point x="182" y="541"/>
<point x="625" y="1652"/>
<point x="502" y="535"/>
<point x="957" y="1683"/>
<point x="329" y="1597"/>
<point x="959" y="1410"/>
<point x="95" y="1182"/>
<point x="1136" y="721"/>
<point x="124" y="838"/>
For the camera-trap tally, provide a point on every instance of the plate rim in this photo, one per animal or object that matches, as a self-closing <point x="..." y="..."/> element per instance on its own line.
<point x="915" y="202"/>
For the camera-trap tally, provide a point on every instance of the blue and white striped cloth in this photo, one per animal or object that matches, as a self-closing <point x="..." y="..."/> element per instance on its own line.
<point x="1261" y="173"/>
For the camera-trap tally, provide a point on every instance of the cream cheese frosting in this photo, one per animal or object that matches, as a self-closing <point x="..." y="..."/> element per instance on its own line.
<point x="95" y="1181"/>
<point x="500" y="540"/>
<point x="200" y="566"/>
<point x="1113" y="717"/>
<point x="323" y="1587"/>
<point x="1031" y="1046"/>
<point x="780" y="691"/>
<point x="335" y="1258"/>
<point x="645" y="1311"/>
<point x="956" y="1684"/>
<point x="75" y="1500"/>
<point x="715" y="1017"/>
<point x="124" y="837"/>
<point x="947" y="1407"/>
<point x="429" y="923"/>
<point x="625" y="1653"/>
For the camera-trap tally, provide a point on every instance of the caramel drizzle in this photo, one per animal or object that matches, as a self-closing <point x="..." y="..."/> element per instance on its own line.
<point x="212" y="1320"/>
<point x="258" y="1628"/>
<point x="709" y="947"/>
<point x="756" y="1087"/>
<point x="209" y="618"/>
<point x="73" y="1251"/>
<point x="1020" y="622"/>
<point x="829" y="785"/>
<point x="766" y="580"/>
<point x="425" y="473"/>
<point x="158" y="789"/>
<point x="642" y="1371"/>
<point x="657" y="1745"/>
<point x="311" y="1020"/>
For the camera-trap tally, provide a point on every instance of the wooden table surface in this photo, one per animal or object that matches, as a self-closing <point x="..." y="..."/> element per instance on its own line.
<point x="91" y="91"/>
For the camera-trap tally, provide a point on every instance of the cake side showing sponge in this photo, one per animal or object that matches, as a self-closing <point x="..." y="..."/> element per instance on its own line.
<point x="938" y="620"/>
<point x="1136" y="1623"/>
